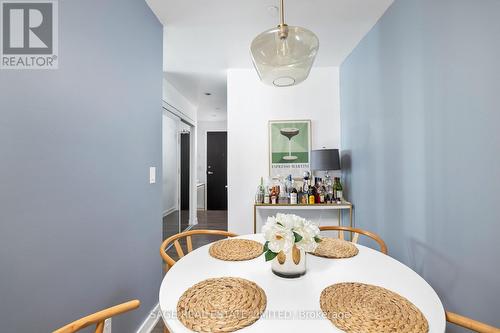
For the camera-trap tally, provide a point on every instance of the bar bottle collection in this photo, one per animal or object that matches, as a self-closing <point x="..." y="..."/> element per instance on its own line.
<point x="289" y="191"/>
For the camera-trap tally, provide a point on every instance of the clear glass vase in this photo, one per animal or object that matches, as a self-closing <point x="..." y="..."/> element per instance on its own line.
<point x="291" y="264"/>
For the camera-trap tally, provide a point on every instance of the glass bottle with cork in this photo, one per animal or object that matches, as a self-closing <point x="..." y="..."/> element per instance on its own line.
<point x="338" y="190"/>
<point x="259" y="196"/>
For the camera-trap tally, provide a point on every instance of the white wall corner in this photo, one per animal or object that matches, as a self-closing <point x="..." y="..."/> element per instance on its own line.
<point x="179" y="102"/>
<point x="169" y="211"/>
<point x="151" y="320"/>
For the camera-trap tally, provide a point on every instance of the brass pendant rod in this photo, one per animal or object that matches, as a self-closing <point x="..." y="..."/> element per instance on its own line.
<point x="282" y="13"/>
<point x="283" y="34"/>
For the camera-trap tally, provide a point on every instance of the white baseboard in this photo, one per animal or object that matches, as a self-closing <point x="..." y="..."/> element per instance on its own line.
<point x="169" y="211"/>
<point x="152" y="319"/>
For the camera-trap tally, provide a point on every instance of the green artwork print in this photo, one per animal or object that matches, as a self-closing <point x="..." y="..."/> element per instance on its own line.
<point x="290" y="147"/>
<point x="290" y="142"/>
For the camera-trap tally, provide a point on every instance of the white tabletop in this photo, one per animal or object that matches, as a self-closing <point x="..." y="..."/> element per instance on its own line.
<point x="293" y="304"/>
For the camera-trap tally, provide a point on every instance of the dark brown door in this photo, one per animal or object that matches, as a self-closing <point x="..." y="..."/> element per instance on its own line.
<point x="185" y="164"/>
<point x="217" y="170"/>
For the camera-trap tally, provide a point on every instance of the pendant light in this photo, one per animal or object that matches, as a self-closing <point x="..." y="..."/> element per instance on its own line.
<point x="283" y="56"/>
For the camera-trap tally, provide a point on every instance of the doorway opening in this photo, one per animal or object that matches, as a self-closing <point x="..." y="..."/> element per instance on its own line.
<point x="177" y="174"/>
<point x="185" y="165"/>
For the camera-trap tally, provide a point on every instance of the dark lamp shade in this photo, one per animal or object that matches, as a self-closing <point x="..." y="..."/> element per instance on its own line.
<point x="325" y="159"/>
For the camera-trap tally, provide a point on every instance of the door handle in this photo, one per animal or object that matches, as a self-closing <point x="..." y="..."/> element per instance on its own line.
<point x="210" y="172"/>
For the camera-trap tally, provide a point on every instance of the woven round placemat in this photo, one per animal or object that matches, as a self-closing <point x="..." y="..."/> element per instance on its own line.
<point x="335" y="248"/>
<point x="221" y="305"/>
<point x="236" y="249"/>
<point x="358" y="307"/>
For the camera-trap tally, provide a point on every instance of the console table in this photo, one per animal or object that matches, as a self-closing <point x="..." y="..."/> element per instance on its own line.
<point x="318" y="212"/>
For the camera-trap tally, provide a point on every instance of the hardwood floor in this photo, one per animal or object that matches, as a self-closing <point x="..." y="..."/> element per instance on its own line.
<point x="208" y="219"/>
<point x="171" y="223"/>
<point x="212" y="219"/>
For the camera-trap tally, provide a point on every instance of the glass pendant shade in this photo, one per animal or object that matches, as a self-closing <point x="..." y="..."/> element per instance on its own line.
<point x="284" y="62"/>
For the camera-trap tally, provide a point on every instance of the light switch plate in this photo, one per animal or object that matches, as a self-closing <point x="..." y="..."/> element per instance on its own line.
<point x="152" y="175"/>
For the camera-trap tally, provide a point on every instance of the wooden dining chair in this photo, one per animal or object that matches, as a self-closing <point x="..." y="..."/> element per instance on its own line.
<point x="98" y="318"/>
<point x="470" y="324"/>
<point x="355" y="235"/>
<point x="187" y="235"/>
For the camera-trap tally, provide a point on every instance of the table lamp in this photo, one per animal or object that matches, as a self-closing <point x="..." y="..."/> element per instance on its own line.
<point x="325" y="160"/>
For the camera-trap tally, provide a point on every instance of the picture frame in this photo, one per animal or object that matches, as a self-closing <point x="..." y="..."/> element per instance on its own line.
<point x="290" y="147"/>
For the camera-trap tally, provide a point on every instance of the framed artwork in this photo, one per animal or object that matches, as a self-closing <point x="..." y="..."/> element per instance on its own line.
<point x="289" y="147"/>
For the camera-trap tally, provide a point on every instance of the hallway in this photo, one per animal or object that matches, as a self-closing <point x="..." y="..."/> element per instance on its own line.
<point x="207" y="219"/>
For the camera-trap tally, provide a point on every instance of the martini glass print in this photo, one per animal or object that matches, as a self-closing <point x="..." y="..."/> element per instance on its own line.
<point x="289" y="132"/>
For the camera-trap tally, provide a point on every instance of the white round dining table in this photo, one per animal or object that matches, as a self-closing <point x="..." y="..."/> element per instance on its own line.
<point x="293" y="304"/>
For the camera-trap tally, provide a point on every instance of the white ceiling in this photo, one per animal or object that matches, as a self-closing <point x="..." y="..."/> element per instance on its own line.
<point x="203" y="38"/>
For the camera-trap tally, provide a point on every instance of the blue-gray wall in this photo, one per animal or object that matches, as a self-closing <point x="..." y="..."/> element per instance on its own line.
<point x="80" y="226"/>
<point x="420" y="113"/>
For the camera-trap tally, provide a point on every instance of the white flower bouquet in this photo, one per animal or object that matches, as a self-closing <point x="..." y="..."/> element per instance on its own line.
<point x="283" y="232"/>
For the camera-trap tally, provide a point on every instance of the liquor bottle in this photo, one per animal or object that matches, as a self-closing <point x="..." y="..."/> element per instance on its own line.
<point x="312" y="195"/>
<point x="329" y="197"/>
<point x="338" y="189"/>
<point x="259" y="196"/>
<point x="316" y="192"/>
<point x="320" y="195"/>
<point x="334" y="188"/>
<point x="293" y="196"/>
<point x="305" y="181"/>
<point x="305" y="197"/>
<point x="288" y="184"/>
<point x="274" y="195"/>
<point x="325" y="194"/>
<point x="267" y="198"/>
<point x="282" y="191"/>
<point x="321" y="191"/>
